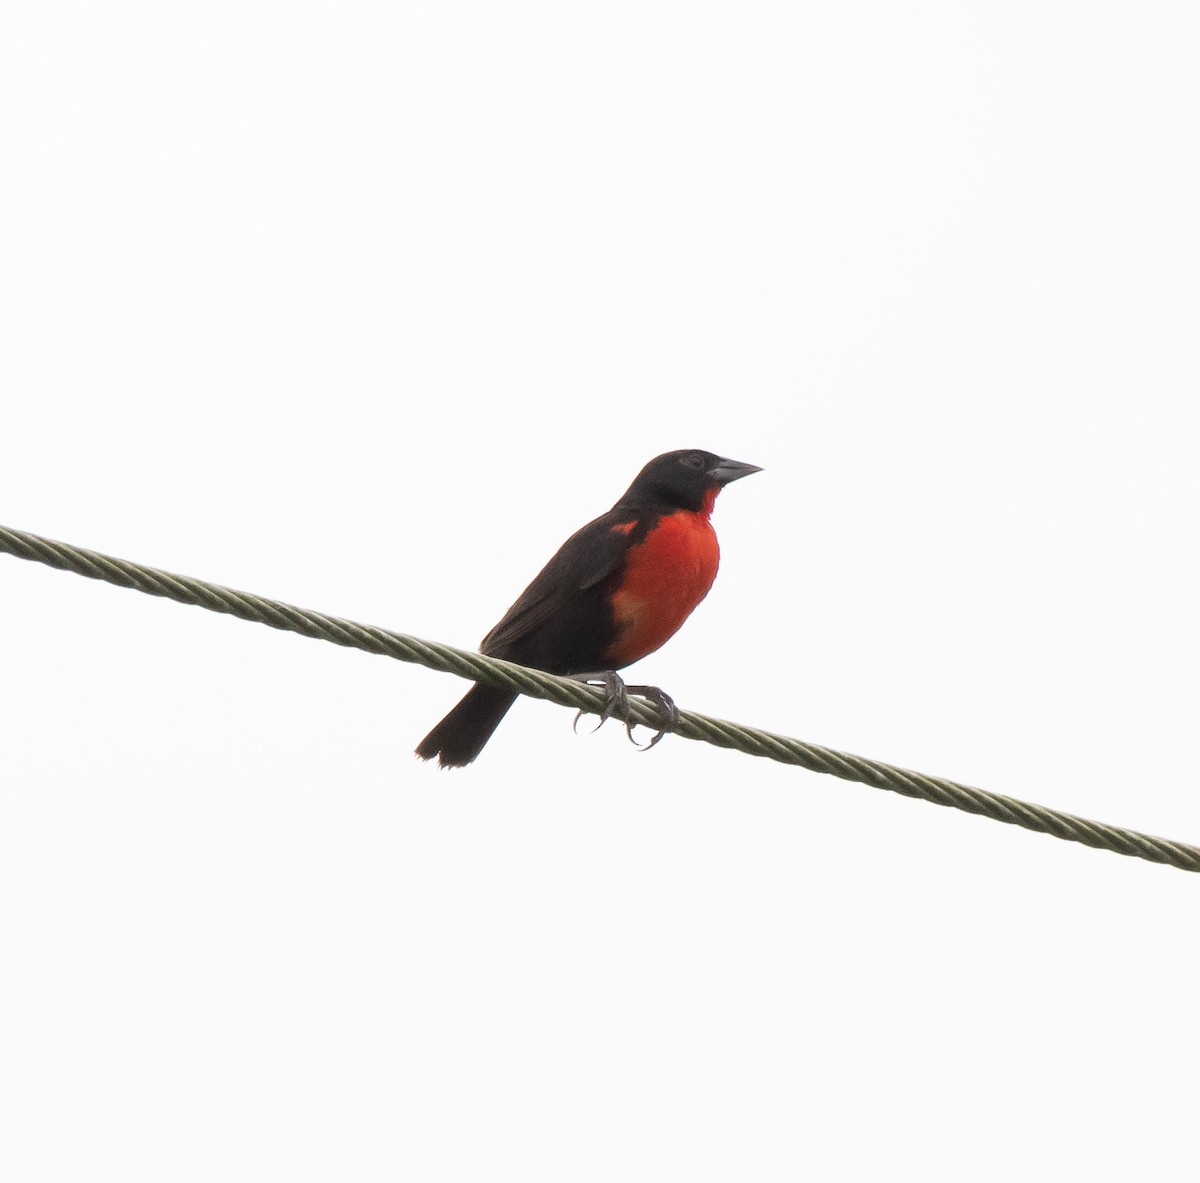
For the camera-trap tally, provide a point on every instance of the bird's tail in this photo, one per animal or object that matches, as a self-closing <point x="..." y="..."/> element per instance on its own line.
<point x="460" y="736"/>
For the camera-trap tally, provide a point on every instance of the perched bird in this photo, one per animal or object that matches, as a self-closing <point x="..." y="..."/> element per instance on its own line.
<point x="616" y="590"/>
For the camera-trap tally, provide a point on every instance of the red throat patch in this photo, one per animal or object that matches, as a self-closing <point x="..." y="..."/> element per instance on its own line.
<point x="665" y="576"/>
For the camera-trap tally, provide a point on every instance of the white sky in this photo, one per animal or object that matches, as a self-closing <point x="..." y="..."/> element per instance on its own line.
<point x="367" y="307"/>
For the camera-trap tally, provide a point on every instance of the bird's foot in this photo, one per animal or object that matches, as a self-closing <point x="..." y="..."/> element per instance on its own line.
<point x="617" y="705"/>
<point x="667" y="710"/>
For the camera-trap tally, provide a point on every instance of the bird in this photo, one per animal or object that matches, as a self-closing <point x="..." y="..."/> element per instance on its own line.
<point x="616" y="590"/>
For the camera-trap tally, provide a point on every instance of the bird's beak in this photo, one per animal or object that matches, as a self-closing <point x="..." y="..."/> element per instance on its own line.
<point x="726" y="471"/>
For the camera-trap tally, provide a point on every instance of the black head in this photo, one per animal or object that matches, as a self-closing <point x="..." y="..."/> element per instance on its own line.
<point x="688" y="479"/>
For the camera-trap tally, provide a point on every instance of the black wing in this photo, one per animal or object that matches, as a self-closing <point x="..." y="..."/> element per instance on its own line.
<point x="562" y="622"/>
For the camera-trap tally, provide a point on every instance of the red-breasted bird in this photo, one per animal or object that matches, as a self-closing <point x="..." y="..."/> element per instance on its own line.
<point x="616" y="591"/>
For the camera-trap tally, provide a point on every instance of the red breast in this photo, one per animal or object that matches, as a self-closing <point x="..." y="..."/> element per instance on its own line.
<point x="665" y="576"/>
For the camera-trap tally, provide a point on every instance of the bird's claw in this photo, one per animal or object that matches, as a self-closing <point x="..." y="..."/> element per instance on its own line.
<point x="616" y="699"/>
<point x="668" y="712"/>
<point x="616" y="706"/>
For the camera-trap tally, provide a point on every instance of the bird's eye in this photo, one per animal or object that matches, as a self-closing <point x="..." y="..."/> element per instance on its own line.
<point x="694" y="461"/>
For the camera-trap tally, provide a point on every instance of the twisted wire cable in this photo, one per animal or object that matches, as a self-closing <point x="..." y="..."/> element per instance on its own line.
<point x="566" y="692"/>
